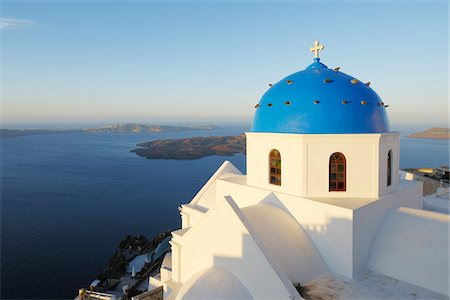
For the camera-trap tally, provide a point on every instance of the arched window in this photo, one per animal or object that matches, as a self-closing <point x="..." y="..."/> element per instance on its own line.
<point x="389" y="168"/>
<point x="337" y="171"/>
<point x="275" y="167"/>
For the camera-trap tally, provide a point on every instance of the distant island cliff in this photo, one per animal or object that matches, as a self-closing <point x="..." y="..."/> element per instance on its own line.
<point x="117" y="128"/>
<point x="192" y="148"/>
<point x="137" y="128"/>
<point x="7" y="133"/>
<point x="432" y="133"/>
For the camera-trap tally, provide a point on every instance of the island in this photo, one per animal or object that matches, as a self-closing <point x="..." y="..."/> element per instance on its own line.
<point x="137" y="128"/>
<point x="432" y="133"/>
<point x="117" y="128"/>
<point x="192" y="148"/>
<point x="6" y="133"/>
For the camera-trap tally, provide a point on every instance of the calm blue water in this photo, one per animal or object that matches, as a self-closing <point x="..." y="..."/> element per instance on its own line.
<point x="68" y="199"/>
<point x="419" y="153"/>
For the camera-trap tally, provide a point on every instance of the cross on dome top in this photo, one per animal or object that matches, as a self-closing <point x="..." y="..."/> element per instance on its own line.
<point x="316" y="48"/>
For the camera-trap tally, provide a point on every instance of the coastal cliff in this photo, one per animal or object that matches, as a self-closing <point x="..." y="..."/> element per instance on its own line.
<point x="6" y="133"/>
<point x="192" y="148"/>
<point x="136" y="128"/>
<point x="117" y="128"/>
<point x="432" y="133"/>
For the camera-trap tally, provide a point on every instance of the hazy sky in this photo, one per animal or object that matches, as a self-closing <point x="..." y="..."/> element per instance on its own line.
<point x="205" y="62"/>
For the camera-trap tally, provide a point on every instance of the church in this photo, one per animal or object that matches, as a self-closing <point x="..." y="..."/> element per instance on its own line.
<point x="322" y="194"/>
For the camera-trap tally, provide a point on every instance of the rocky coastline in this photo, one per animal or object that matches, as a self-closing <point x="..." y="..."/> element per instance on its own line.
<point x="192" y="148"/>
<point x="115" y="272"/>
<point x="432" y="133"/>
<point x="117" y="128"/>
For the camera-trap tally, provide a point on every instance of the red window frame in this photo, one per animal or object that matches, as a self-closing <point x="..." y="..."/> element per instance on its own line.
<point x="275" y="167"/>
<point x="337" y="173"/>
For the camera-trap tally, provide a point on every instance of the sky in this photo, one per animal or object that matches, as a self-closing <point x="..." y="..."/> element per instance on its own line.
<point x="85" y="62"/>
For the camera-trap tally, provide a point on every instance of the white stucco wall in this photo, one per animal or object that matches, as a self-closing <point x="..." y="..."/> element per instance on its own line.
<point x="305" y="162"/>
<point x="166" y="267"/>
<point x="413" y="246"/>
<point x="286" y="241"/>
<point x="342" y="229"/>
<point x="176" y="258"/>
<point x="328" y="226"/>
<point x="206" y="197"/>
<point x="191" y="214"/>
<point x="213" y="283"/>
<point x="367" y="219"/>
<point x="222" y="239"/>
<point x="293" y="161"/>
<point x="343" y="232"/>
<point x="388" y="142"/>
<point x="360" y="152"/>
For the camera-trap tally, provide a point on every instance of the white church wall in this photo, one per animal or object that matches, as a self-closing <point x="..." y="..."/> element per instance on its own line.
<point x="305" y="163"/>
<point x="213" y="283"/>
<point x="206" y="196"/>
<point x="343" y="236"/>
<point x="242" y="194"/>
<point x="185" y="219"/>
<point x="286" y="241"/>
<point x="328" y="226"/>
<point x="166" y="267"/>
<point x="361" y="154"/>
<point x="367" y="219"/>
<point x="389" y="141"/>
<point x="290" y="147"/>
<point x="221" y="239"/>
<point x="413" y="245"/>
<point x="176" y="258"/>
<point x="191" y="214"/>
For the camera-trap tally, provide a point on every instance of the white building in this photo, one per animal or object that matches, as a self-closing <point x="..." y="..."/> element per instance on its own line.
<point x="321" y="194"/>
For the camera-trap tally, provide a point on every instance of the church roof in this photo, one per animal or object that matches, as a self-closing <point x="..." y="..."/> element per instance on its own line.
<point x="286" y="241"/>
<point x="213" y="283"/>
<point x="320" y="100"/>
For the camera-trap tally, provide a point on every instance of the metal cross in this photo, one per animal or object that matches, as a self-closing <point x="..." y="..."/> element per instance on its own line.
<point x="316" y="49"/>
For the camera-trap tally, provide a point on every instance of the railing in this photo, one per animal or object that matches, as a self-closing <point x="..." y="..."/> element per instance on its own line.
<point x="156" y="264"/>
<point x="87" y="295"/>
<point x="155" y="294"/>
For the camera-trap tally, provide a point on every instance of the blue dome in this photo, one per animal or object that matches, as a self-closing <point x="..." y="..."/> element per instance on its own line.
<point x="320" y="100"/>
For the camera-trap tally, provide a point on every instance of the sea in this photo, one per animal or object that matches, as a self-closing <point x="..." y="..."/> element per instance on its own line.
<point x="68" y="199"/>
